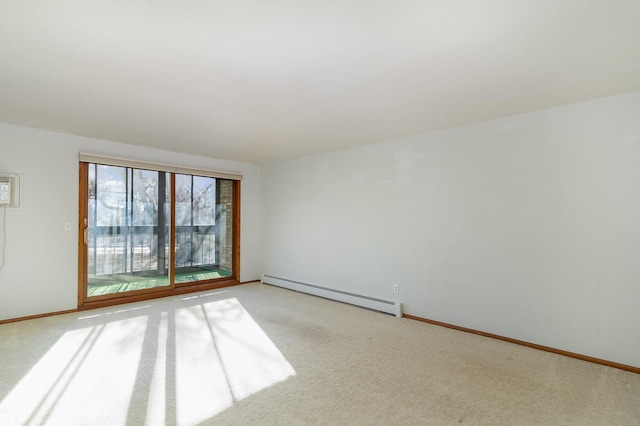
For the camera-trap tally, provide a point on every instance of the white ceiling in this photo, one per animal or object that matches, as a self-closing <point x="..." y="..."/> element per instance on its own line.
<point x="261" y="80"/>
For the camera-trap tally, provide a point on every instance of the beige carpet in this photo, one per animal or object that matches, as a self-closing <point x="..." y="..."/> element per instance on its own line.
<point x="256" y="354"/>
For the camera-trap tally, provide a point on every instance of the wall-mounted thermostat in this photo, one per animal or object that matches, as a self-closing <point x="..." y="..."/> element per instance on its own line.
<point x="9" y="190"/>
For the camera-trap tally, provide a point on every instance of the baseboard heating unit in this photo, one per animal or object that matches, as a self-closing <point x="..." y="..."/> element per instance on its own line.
<point x="388" y="306"/>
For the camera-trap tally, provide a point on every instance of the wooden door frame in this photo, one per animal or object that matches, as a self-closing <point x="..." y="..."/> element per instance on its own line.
<point x="86" y="302"/>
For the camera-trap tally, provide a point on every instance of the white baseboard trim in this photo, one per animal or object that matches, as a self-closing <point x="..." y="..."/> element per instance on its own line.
<point x="387" y="306"/>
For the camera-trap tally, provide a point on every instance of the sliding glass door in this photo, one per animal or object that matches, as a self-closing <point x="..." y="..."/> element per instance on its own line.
<point x="204" y="214"/>
<point x="128" y="229"/>
<point x="146" y="231"/>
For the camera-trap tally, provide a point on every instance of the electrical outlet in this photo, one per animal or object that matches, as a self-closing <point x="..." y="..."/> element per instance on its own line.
<point x="396" y="288"/>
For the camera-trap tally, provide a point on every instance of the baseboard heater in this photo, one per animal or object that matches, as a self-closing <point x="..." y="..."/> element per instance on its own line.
<point x="388" y="306"/>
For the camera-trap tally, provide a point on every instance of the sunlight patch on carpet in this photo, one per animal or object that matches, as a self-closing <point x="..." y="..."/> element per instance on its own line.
<point x="180" y="363"/>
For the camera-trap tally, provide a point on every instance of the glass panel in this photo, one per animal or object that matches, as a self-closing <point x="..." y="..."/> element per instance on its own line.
<point x="129" y="225"/>
<point x="203" y="228"/>
<point x="111" y="196"/>
<point x="145" y="197"/>
<point x="183" y="200"/>
<point x="204" y="201"/>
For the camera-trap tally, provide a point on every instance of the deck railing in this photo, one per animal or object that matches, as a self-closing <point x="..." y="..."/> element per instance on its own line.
<point x="140" y="249"/>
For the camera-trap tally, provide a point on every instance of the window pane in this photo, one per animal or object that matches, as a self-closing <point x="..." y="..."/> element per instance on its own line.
<point x="183" y="200"/>
<point x="204" y="200"/>
<point x="111" y="196"/>
<point x="145" y="197"/>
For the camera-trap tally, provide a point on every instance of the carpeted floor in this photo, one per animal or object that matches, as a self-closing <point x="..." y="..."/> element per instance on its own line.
<point x="255" y="355"/>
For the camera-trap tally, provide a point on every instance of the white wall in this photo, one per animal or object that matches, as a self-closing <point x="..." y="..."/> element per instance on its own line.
<point x="40" y="271"/>
<point x="526" y="227"/>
